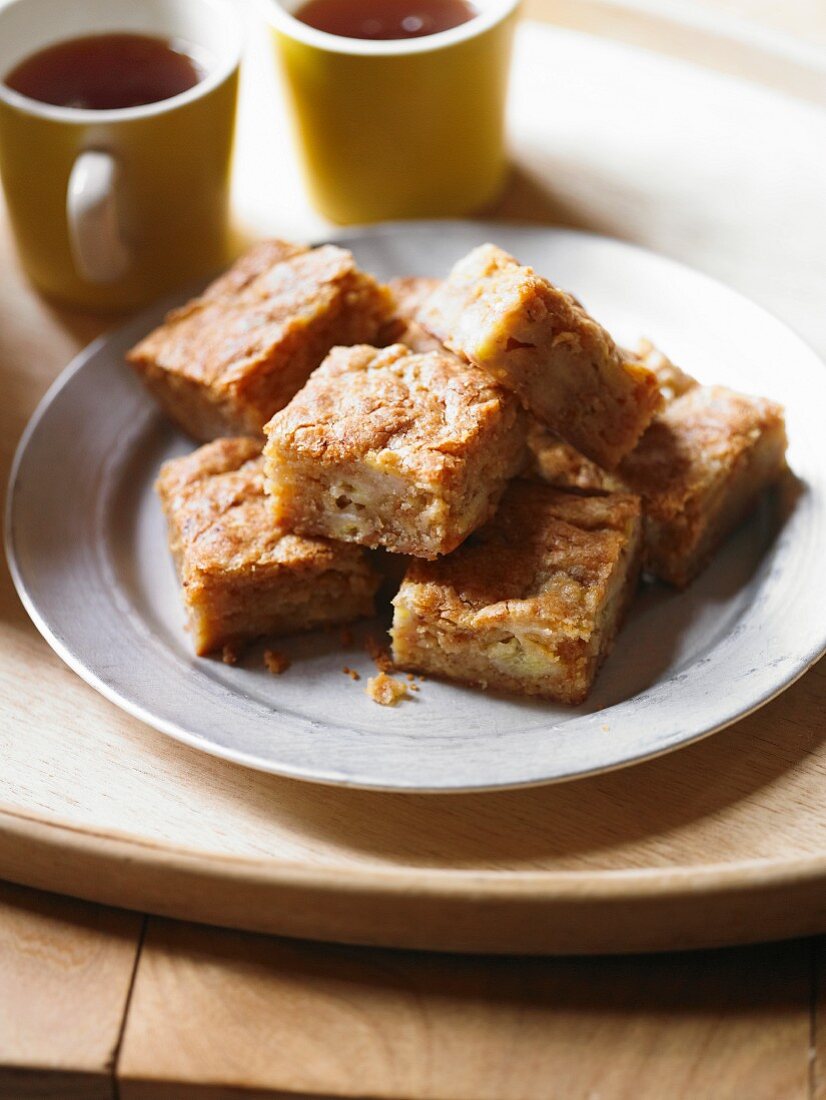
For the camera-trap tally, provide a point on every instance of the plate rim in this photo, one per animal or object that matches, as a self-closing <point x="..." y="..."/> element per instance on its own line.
<point x="173" y="729"/>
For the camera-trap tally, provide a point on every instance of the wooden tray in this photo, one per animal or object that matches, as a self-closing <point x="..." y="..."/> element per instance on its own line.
<point x="721" y="842"/>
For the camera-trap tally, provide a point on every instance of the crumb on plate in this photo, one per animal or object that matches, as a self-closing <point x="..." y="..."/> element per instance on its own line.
<point x="276" y="661"/>
<point x="386" y="691"/>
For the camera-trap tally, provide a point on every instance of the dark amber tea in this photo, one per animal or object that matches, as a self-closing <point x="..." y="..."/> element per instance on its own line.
<point x="385" y="19"/>
<point x="102" y="72"/>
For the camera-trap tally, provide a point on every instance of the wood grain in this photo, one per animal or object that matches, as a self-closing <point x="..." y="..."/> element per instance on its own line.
<point x="243" y="1011"/>
<point x="721" y="842"/>
<point x="65" y="971"/>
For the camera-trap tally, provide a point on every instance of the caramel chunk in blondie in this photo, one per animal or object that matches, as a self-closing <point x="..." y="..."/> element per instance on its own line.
<point x="396" y="449"/>
<point x="531" y="603"/>
<point x="537" y="340"/>
<point x="241" y="576"/>
<point x="225" y="362"/>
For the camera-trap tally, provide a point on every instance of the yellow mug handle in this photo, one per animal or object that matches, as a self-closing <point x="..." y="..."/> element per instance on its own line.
<point x="95" y="235"/>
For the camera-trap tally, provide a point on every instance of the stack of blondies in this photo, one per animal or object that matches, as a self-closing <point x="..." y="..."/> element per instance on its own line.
<point x="484" y="427"/>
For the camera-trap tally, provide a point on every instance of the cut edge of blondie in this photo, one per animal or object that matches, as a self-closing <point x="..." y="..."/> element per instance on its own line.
<point x="223" y="613"/>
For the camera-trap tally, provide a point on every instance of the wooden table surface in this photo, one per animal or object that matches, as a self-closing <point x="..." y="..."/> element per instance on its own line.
<point x="97" y="1002"/>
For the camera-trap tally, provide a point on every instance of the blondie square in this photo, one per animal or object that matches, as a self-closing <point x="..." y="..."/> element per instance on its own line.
<point x="537" y="340"/>
<point x="532" y="602"/>
<point x="225" y="362"/>
<point x="387" y="447"/>
<point x="699" y="469"/>
<point x="242" y="577"/>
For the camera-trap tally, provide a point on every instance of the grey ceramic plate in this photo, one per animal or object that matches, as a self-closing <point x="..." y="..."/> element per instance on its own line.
<point x="86" y="545"/>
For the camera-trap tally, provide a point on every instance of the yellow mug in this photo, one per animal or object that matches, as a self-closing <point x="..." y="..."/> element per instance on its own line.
<point x="111" y="208"/>
<point x="403" y="128"/>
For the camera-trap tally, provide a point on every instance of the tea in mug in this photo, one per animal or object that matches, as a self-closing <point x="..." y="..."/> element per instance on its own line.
<point x="104" y="72"/>
<point x="385" y="19"/>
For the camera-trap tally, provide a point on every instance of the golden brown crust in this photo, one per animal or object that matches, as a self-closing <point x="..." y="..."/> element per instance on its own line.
<point x="694" y="443"/>
<point x="227" y="360"/>
<point x="256" y="261"/>
<point x="220" y="521"/>
<point x="538" y="340"/>
<point x="390" y="448"/>
<point x="544" y="558"/>
<point x="531" y="602"/>
<point x="220" y="457"/>
<point x="700" y="469"/>
<point x="417" y="414"/>
<point x="243" y="577"/>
